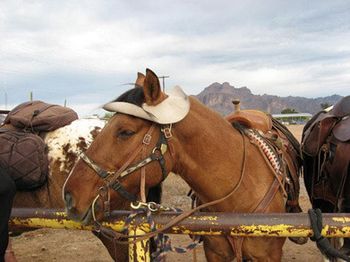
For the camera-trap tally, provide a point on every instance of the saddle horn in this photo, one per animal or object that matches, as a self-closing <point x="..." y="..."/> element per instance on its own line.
<point x="236" y="102"/>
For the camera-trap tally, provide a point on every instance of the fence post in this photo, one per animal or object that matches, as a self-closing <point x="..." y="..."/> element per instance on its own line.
<point x="140" y="251"/>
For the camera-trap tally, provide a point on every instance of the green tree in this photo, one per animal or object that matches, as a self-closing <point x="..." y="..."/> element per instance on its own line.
<point x="325" y="105"/>
<point x="108" y="115"/>
<point x="289" y="111"/>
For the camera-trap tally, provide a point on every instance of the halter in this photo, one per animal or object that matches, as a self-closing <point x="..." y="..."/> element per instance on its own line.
<point x="111" y="178"/>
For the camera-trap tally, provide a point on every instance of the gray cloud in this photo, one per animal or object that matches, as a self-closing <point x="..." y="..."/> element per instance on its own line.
<point x="85" y="50"/>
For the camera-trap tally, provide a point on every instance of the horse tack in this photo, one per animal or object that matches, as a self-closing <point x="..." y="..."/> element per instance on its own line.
<point x="325" y="146"/>
<point x="111" y="178"/>
<point x="269" y="152"/>
<point x="188" y="135"/>
<point x="254" y="119"/>
<point x="342" y="130"/>
<point x="324" y="123"/>
<point x="237" y="242"/>
<point x="279" y="149"/>
<point x="330" y="177"/>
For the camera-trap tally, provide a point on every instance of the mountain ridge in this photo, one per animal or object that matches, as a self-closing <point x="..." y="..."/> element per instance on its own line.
<point x="219" y="97"/>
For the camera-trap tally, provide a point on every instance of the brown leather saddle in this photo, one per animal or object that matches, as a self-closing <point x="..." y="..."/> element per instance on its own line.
<point x="326" y="153"/>
<point x="336" y="121"/>
<point x="282" y="142"/>
<point x="250" y="118"/>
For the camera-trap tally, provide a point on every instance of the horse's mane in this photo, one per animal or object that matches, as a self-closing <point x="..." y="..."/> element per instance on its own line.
<point x="134" y="96"/>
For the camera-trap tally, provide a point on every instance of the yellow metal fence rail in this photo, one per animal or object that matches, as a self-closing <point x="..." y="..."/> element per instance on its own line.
<point x="234" y="224"/>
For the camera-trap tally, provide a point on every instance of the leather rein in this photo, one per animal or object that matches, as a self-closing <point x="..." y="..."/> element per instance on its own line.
<point x="112" y="178"/>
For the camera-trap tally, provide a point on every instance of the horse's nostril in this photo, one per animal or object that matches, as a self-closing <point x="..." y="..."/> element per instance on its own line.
<point x="68" y="199"/>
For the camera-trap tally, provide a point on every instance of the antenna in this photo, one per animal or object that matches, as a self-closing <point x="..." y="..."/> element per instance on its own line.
<point x="5" y="99"/>
<point x="163" y="78"/>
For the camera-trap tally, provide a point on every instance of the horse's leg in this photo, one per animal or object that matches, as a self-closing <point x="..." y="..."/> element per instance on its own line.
<point x="217" y="249"/>
<point x="344" y="204"/>
<point x="10" y="255"/>
<point x="263" y="249"/>
<point x="254" y="249"/>
<point x="7" y="193"/>
<point x="346" y="209"/>
<point x="118" y="252"/>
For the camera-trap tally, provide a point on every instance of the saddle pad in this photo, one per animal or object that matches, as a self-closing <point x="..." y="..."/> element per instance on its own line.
<point x="24" y="157"/>
<point x="342" y="130"/>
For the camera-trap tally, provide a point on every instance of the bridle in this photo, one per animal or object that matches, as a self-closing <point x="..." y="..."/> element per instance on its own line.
<point x="112" y="178"/>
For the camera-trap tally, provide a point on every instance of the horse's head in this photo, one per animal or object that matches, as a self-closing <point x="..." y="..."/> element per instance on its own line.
<point x="131" y="153"/>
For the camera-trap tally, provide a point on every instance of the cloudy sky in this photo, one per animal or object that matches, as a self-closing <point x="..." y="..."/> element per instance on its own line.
<point x="85" y="51"/>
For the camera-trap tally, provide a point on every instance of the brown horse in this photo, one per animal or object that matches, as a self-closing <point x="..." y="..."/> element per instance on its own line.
<point x="64" y="146"/>
<point x="156" y="133"/>
<point x="326" y="156"/>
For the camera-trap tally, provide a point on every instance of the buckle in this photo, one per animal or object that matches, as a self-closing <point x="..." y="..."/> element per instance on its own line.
<point x="167" y="132"/>
<point x="147" y="139"/>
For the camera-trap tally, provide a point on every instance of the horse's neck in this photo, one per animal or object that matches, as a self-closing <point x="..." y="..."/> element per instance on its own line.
<point x="209" y="151"/>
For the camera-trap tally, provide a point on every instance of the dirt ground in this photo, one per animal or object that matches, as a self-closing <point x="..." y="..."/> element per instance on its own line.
<point x="73" y="245"/>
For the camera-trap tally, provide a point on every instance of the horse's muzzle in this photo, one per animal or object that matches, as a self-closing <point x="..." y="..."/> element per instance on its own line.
<point x="68" y="200"/>
<point x="73" y="212"/>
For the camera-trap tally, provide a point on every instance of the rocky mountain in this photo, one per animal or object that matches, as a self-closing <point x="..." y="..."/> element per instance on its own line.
<point x="219" y="97"/>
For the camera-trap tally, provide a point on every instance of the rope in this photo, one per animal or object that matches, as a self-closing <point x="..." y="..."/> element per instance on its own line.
<point x="164" y="246"/>
<point x="322" y="243"/>
<point x="162" y="241"/>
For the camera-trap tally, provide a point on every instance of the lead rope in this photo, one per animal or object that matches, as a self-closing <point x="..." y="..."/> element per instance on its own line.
<point x="162" y="241"/>
<point x="322" y="243"/>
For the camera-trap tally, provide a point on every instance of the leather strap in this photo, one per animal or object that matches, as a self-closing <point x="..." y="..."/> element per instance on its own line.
<point x="269" y="196"/>
<point x="237" y="242"/>
<point x="236" y="245"/>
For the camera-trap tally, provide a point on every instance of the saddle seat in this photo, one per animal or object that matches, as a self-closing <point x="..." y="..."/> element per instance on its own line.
<point x="342" y="130"/>
<point x="341" y="108"/>
<point x="336" y="121"/>
<point x="251" y="119"/>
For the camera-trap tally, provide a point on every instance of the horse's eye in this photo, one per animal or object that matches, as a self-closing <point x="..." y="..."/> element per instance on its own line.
<point x="125" y="133"/>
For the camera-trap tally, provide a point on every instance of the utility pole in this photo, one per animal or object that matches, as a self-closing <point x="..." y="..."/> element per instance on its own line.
<point x="163" y="78"/>
<point x="5" y="99"/>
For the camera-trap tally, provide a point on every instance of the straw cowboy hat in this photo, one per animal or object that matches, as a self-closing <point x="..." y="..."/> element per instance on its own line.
<point x="171" y="110"/>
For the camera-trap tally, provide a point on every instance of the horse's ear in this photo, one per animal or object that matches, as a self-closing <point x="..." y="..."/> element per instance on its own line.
<point x="140" y="79"/>
<point x="152" y="90"/>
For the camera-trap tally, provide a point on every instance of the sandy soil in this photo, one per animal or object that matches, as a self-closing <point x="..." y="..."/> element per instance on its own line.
<point x="73" y="245"/>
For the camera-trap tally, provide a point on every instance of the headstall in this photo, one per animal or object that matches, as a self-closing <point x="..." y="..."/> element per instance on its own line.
<point x="112" y="178"/>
